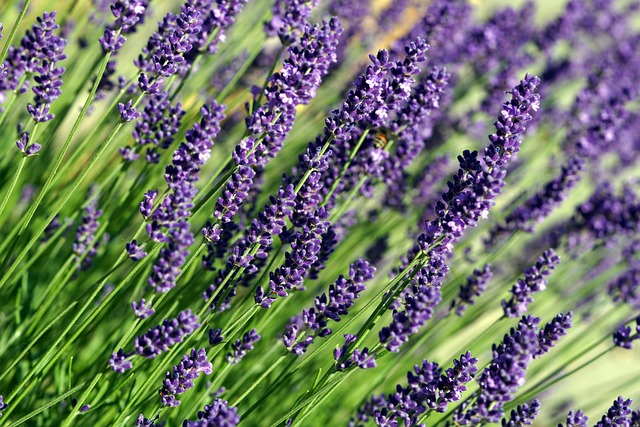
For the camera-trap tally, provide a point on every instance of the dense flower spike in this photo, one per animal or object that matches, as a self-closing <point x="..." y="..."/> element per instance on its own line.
<point x="553" y="331"/>
<point x="619" y="414"/>
<point x="85" y="246"/>
<point x="428" y="388"/>
<point x="219" y="413"/>
<point x="410" y="126"/>
<point x="506" y="372"/>
<point x="468" y="199"/>
<point x="128" y="14"/>
<point x="39" y="51"/>
<point x="363" y="147"/>
<point x="329" y="306"/>
<point x="474" y="287"/>
<point x="296" y="84"/>
<point x="289" y="19"/>
<point x="169" y="220"/>
<point x="242" y="346"/>
<point x="625" y="289"/>
<point x="523" y="415"/>
<point x="47" y="52"/>
<point x="535" y="280"/>
<point x="160" y="123"/>
<point x="304" y="253"/>
<point x="181" y="379"/>
<point x="160" y="338"/>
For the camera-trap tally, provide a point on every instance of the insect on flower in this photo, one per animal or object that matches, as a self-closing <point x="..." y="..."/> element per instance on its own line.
<point x="382" y="138"/>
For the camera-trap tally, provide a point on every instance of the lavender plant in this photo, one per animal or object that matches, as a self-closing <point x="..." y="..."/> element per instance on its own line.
<point x="285" y="213"/>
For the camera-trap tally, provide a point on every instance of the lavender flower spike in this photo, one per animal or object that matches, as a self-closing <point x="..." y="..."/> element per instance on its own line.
<point x="540" y="205"/>
<point x="242" y="346"/>
<point x="181" y="379"/>
<point x="553" y="331"/>
<point x="523" y="415"/>
<point x="85" y="247"/>
<point x="160" y="338"/>
<point x="428" y="388"/>
<point x="576" y="419"/>
<point x="475" y="286"/>
<point x="128" y="14"/>
<point x="329" y="306"/>
<point x="506" y="372"/>
<point x="49" y="74"/>
<point x="219" y="413"/>
<point x="535" y="280"/>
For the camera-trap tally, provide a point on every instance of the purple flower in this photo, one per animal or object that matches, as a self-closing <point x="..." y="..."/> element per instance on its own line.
<point x="304" y="252"/>
<point x="160" y="123"/>
<point x="617" y="415"/>
<point x="145" y="422"/>
<point x="215" y="336"/>
<point x="475" y="286"/>
<point x="135" y="251"/>
<point x="523" y="415"/>
<point x="25" y="147"/>
<point x="623" y="337"/>
<point x="168" y="221"/>
<point x="408" y="129"/>
<point x="329" y="306"/>
<point x="289" y="19"/>
<point x="297" y="82"/>
<point x="120" y="362"/>
<point x="181" y="379"/>
<point x="127" y="111"/>
<point x="160" y="338"/>
<point x="553" y="331"/>
<point x="360" y="358"/>
<point x="576" y="419"/>
<point x="85" y="247"/>
<point x="428" y="388"/>
<point x="128" y="14"/>
<point x="141" y="309"/>
<point x="535" y="280"/>
<point x="504" y="375"/>
<point x="50" y="51"/>
<point x="626" y="287"/>
<point x="242" y="346"/>
<point x="219" y="413"/>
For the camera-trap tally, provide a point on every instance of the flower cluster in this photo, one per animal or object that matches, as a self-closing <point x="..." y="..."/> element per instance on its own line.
<point x="181" y="379"/>
<point x="328" y="306"/>
<point x="428" y="388"/>
<point x="168" y="222"/>
<point x="242" y="346"/>
<point x="535" y="280"/>
<point x="219" y="413"/>
<point x="468" y="198"/>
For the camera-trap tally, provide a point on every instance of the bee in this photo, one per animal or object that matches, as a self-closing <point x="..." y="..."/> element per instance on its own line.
<point x="382" y="137"/>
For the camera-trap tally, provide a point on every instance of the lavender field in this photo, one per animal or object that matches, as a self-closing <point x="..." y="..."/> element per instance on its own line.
<point x="286" y="213"/>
